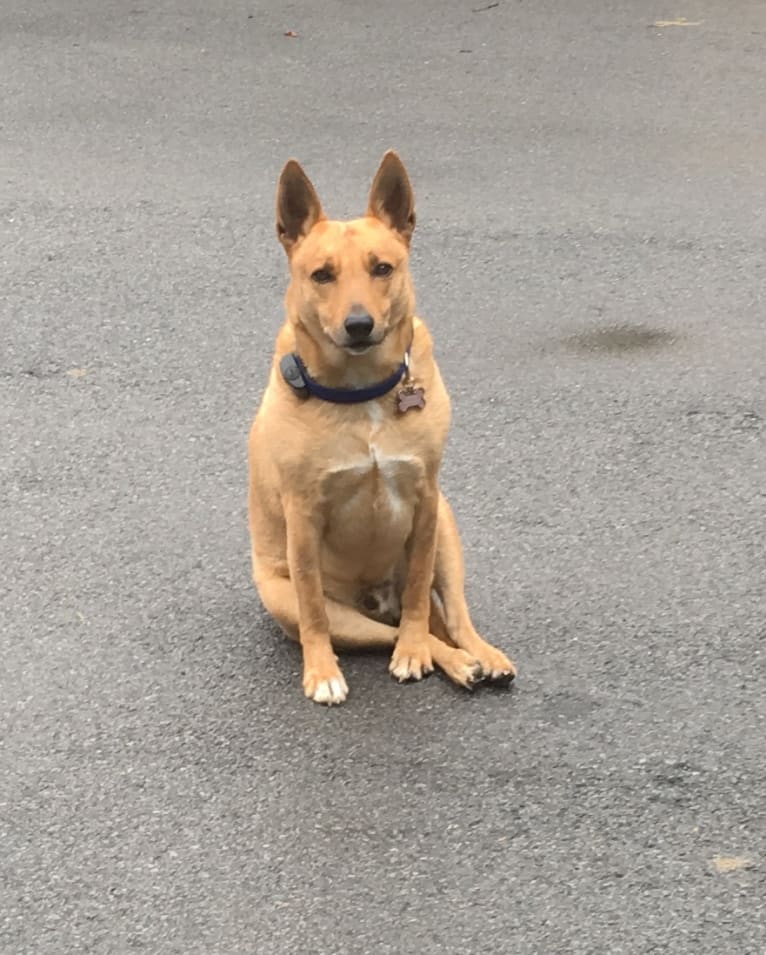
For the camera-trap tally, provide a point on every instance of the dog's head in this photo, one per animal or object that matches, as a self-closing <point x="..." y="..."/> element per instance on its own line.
<point x="350" y="286"/>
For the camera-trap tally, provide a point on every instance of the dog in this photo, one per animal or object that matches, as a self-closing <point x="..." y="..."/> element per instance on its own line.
<point x="353" y="544"/>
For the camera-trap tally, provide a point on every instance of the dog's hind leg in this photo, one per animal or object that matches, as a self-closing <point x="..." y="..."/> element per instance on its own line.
<point x="449" y="584"/>
<point x="351" y="630"/>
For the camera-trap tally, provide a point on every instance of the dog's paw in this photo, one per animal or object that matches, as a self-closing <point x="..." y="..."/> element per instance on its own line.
<point x="462" y="668"/>
<point x="325" y="687"/>
<point x="495" y="665"/>
<point x="410" y="661"/>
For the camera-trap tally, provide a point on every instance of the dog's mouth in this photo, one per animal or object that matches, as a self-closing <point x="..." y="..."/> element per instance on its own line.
<point x="360" y="347"/>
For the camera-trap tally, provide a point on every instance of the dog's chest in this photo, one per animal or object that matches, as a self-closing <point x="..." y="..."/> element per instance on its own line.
<point x="374" y="476"/>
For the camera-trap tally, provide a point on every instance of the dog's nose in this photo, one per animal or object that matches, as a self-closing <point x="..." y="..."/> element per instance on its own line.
<point x="359" y="327"/>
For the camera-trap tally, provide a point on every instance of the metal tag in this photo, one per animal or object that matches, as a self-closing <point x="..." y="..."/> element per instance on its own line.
<point x="410" y="397"/>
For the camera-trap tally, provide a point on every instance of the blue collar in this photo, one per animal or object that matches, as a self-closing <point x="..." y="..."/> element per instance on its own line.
<point x="296" y="375"/>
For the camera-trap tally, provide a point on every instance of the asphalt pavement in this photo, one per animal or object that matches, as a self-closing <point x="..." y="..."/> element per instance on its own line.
<point x="591" y="186"/>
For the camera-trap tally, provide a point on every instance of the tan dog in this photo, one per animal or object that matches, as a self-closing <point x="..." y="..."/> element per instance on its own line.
<point x="353" y="544"/>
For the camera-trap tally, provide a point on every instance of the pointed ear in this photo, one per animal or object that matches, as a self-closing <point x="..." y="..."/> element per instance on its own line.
<point x="298" y="206"/>
<point x="391" y="197"/>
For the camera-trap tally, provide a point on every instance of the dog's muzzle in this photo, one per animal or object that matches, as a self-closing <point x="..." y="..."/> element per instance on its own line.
<point x="359" y="328"/>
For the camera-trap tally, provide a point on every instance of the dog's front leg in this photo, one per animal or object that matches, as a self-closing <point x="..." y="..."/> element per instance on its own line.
<point x="322" y="679"/>
<point x="411" y="658"/>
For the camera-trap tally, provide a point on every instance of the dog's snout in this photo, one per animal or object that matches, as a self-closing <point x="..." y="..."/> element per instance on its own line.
<point x="359" y="327"/>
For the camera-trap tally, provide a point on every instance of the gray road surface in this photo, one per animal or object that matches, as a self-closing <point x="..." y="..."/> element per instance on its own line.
<point x="590" y="256"/>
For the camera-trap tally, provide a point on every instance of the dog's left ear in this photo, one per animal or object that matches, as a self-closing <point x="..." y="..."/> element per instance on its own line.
<point x="391" y="197"/>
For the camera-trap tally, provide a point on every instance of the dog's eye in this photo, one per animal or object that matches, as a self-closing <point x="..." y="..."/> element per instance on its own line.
<point x="382" y="269"/>
<point x="322" y="276"/>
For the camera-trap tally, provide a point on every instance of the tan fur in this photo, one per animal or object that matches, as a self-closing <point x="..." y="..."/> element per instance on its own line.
<point x="353" y="544"/>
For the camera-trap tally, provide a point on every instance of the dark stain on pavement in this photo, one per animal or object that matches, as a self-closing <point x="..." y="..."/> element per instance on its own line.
<point x="621" y="339"/>
<point x="724" y="422"/>
<point x="566" y="707"/>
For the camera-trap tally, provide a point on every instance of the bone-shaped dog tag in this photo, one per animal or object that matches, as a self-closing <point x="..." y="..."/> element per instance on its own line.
<point x="410" y="397"/>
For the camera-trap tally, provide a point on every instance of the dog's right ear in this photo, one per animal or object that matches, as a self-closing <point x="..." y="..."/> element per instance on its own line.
<point x="298" y="205"/>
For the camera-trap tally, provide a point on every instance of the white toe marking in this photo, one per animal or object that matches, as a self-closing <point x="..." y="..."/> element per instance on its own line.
<point x="408" y="669"/>
<point x="331" y="691"/>
<point x="338" y="690"/>
<point x="400" y="670"/>
<point x="499" y="674"/>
